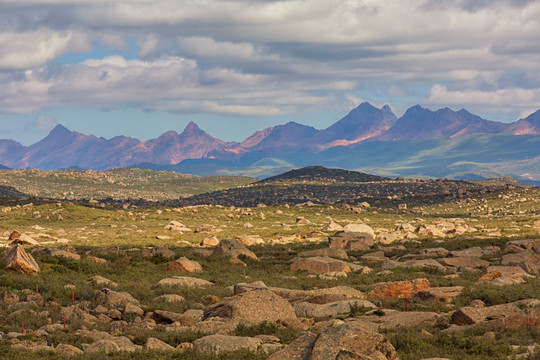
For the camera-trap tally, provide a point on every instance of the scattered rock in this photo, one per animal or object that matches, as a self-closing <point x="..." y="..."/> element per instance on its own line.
<point x="184" y="265"/>
<point x="319" y="265"/>
<point x="351" y="241"/>
<point x="398" y="289"/>
<point x="19" y="260"/>
<point x="339" y="340"/>
<point x="252" y="307"/>
<point x="233" y="249"/>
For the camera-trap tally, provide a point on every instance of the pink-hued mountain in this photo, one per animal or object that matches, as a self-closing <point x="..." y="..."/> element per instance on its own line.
<point x="529" y="125"/>
<point x="362" y="123"/>
<point x="63" y="148"/>
<point x="419" y="123"/>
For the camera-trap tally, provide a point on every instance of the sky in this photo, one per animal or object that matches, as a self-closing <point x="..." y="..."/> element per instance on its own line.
<point x="142" y="67"/>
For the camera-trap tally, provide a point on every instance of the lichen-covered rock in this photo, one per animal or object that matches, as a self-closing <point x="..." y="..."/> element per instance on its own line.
<point x="252" y="307"/>
<point x="233" y="249"/>
<point x="338" y="340"/>
<point x="398" y="289"/>
<point x="319" y="265"/>
<point x="19" y="260"/>
<point x="184" y="265"/>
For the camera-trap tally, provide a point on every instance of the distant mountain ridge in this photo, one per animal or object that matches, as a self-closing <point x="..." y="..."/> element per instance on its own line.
<point x="63" y="148"/>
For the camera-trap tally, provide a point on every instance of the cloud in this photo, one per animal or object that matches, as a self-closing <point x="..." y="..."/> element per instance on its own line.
<point x="246" y="58"/>
<point x="45" y="123"/>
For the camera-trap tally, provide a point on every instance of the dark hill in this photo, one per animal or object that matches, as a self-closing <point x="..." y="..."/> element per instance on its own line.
<point x="11" y="193"/>
<point x="320" y="173"/>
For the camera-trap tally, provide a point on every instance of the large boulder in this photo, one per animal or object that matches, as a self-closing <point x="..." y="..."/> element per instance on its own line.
<point x="511" y="315"/>
<point x="110" y="297"/>
<point x="445" y="294"/>
<point x="528" y="260"/>
<point x="233" y="249"/>
<point x="250" y="240"/>
<point x="465" y="261"/>
<point x="359" y="228"/>
<point x="252" y="307"/>
<point x="319" y="265"/>
<point x="338" y="340"/>
<point x="332" y="309"/>
<point x="397" y="319"/>
<point x="184" y="265"/>
<point x="21" y="239"/>
<point x="398" y="289"/>
<point x="19" y="260"/>
<point x="351" y="241"/>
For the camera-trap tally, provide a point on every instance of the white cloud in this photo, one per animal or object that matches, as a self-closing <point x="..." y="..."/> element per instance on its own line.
<point x="45" y="122"/>
<point x="241" y="56"/>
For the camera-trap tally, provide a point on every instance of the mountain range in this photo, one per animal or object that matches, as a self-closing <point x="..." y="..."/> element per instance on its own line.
<point x="364" y="127"/>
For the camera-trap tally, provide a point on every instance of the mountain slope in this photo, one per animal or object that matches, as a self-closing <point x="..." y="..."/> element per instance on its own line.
<point x="419" y="122"/>
<point x="362" y="123"/>
<point x="171" y="147"/>
<point x="529" y="125"/>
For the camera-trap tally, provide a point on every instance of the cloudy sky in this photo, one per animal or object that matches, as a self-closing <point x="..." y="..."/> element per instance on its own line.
<point x="141" y="67"/>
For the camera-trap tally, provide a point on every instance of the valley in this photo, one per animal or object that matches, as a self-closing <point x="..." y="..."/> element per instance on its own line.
<point x="249" y="269"/>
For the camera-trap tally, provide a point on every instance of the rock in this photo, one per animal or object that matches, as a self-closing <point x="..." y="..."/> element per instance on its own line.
<point x="329" y="252"/>
<point x="158" y="251"/>
<point x="351" y="241"/>
<point x="177" y="226"/>
<point x="398" y="289"/>
<point x="376" y="256"/>
<point x="106" y="346"/>
<point x="464" y="261"/>
<point x="184" y="281"/>
<point x="474" y="252"/>
<point x="338" y="340"/>
<point x="184" y="265"/>
<point x="250" y="240"/>
<point x="134" y="310"/>
<point x="169" y="317"/>
<point x="19" y="260"/>
<point x="443" y="294"/>
<point x="101" y="281"/>
<point x="526" y="259"/>
<point x="14" y="235"/>
<point x="110" y="297"/>
<point x="511" y="315"/>
<point x="68" y="350"/>
<point x="332" y="226"/>
<point x="434" y="252"/>
<point x="359" y="228"/>
<point x="252" y="307"/>
<point x="233" y="249"/>
<point x="209" y="242"/>
<point x="332" y="309"/>
<point x="394" y="319"/>
<point x="319" y="265"/>
<point x="156" y="344"/>
<point x="300" y="220"/>
<point x="217" y="344"/>
<point x="426" y="263"/>
<point x="8" y="298"/>
<point x="22" y="239"/>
